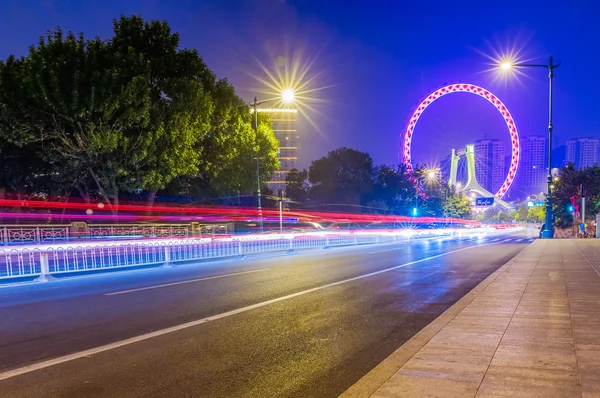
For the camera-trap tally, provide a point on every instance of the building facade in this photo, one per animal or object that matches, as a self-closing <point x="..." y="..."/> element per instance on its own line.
<point x="583" y="152"/>
<point x="284" y="126"/>
<point x="489" y="164"/>
<point x="532" y="172"/>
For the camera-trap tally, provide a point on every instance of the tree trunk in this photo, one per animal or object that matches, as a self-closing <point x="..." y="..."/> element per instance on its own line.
<point x="115" y="190"/>
<point x="152" y="196"/>
<point x="151" y="199"/>
<point x="84" y="192"/>
<point x="101" y="189"/>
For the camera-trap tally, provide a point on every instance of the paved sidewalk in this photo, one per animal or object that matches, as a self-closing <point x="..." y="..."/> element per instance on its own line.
<point x="531" y="329"/>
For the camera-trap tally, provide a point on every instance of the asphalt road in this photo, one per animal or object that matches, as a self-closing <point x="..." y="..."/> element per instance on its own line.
<point x="300" y="325"/>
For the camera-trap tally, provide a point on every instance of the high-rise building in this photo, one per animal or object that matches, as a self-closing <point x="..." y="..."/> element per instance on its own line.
<point x="583" y="152"/>
<point x="284" y="126"/>
<point x="532" y="172"/>
<point x="489" y="164"/>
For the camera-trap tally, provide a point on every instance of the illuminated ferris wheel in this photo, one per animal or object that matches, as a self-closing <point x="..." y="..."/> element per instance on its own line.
<point x="464" y="88"/>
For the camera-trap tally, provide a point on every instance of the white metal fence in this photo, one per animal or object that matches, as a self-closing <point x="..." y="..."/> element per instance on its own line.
<point x="58" y="258"/>
<point x="24" y="234"/>
<point x="53" y="259"/>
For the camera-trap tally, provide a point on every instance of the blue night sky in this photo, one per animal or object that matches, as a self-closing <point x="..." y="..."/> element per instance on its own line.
<point x="378" y="59"/>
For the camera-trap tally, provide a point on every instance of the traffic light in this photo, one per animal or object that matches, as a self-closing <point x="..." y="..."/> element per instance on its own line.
<point x="414" y="211"/>
<point x="571" y="209"/>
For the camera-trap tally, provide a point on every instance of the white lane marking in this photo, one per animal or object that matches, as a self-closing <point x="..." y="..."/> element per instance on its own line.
<point x="386" y="250"/>
<point x="186" y="281"/>
<point x="92" y="351"/>
<point x="507" y="240"/>
<point x="518" y="240"/>
<point x="495" y="240"/>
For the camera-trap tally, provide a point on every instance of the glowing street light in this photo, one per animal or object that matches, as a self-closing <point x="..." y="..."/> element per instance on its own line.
<point x="288" y="95"/>
<point x="508" y="66"/>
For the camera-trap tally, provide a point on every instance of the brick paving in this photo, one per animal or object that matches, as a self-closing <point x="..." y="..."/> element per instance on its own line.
<point x="532" y="329"/>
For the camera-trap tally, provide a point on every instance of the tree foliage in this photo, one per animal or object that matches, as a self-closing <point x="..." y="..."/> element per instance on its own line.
<point x="536" y="214"/>
<point x="568" y="186"/>
<point x="393" y="187"/>
<point x="344" y="175"/>
<point x="298" y="188"/>
<point x="495" y="214"/>
<point x="457" y="205"/>
<point x="131" y="113"/>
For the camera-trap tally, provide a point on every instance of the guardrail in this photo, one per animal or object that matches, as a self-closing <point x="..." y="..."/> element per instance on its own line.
<point x="44" y="260"/>
<point x="79" y="231"/>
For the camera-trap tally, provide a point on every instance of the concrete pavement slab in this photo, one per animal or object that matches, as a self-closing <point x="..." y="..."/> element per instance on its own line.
<point x="531" y="329"/>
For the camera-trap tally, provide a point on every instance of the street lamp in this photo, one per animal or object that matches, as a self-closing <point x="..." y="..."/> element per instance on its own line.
<point x="430" y="177"/>
<point x="287" y="96"/>
<point x="547" y="233"/>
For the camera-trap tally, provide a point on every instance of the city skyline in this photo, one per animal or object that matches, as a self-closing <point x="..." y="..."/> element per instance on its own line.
<point x="583" y="152"/>
<point x="489" y="162"/>
<point x="533" y="171"/>
<point x="373" y="68"/>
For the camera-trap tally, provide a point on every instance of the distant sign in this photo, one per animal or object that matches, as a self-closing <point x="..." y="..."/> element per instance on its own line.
<point x="531" y="204"/>
<point x="484" y="201"/>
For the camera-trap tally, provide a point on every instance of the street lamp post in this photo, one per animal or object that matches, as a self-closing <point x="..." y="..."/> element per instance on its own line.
<point x="547" y="232"/>
<point x="430" y="176"/>
<point x="287" y="96"/>
<point x="254" y="105"/>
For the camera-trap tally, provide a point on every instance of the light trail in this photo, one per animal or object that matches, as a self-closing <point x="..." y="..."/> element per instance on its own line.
<point x="218" y="214"/>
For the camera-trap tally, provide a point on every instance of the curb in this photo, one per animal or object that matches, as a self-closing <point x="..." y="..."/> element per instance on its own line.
<point x="368" y="384"/>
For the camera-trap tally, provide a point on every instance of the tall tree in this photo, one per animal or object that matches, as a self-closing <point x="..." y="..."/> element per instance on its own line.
<point x="568" y="185"/>
<point x="76" y="102"/>
<point x="393" y="187"/>
<point x="343" y="176"/>
<point x="181" y="107"/>
<point x="298" y="189"/>
<point x="131" y="113"/>
<point x="457" y="205"/>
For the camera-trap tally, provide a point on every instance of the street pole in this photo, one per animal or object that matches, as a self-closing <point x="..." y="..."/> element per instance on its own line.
<point x="258" y="194"/>
<point x="583" y="207"/>
<point x="416" y="211"/>
<point x="548" y="232"/>
<point x="280" y="210"/>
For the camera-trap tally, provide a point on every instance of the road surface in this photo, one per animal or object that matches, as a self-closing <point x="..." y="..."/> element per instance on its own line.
<point x="306" y="325"/>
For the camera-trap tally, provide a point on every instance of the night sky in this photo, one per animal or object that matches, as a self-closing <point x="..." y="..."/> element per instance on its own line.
<point x="377" y="58"/>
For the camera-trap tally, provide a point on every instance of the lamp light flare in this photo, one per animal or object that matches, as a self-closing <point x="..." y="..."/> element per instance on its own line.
<point x="504" y="59"/>
<point x="291" y="81"/>
<point x="287" y="95"/>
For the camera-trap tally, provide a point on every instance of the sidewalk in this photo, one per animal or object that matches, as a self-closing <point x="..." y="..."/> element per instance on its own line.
<point x="531" y="329"/>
